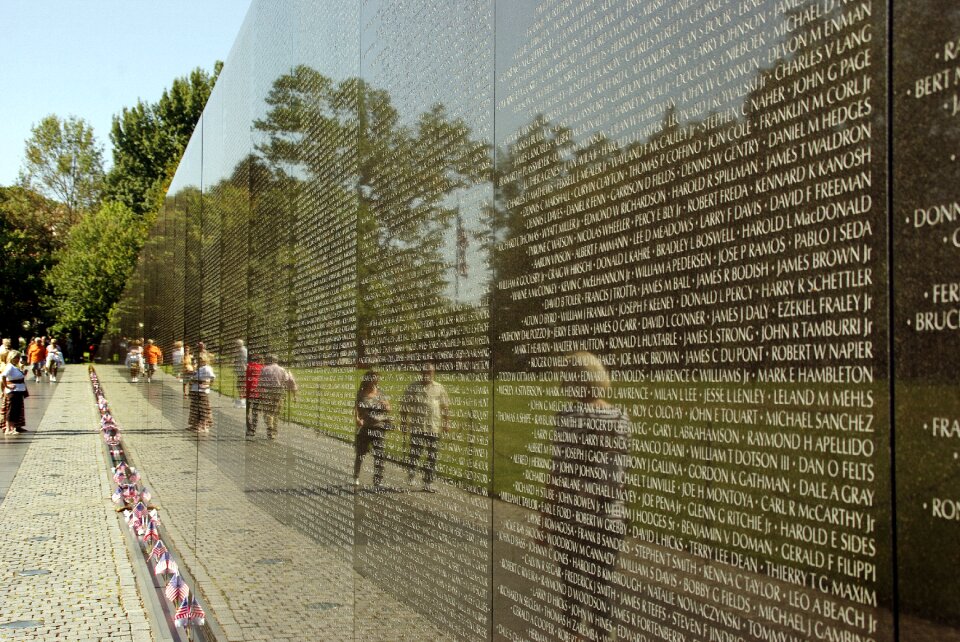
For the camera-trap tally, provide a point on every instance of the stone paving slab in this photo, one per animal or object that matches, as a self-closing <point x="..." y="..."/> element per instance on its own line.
<point x="64" y="570"/>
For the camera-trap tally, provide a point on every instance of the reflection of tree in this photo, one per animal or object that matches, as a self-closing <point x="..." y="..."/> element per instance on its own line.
<point x="344" y="141"/>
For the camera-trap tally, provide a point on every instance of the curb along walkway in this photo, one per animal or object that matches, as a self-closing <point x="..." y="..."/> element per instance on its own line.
<point x="64" y="569"/>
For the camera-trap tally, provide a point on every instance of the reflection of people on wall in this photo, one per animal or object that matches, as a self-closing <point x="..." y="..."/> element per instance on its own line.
<point x="274" y="383"/>
<point x="201" y="417"/>
<point x="134" y="361"/>
<point x="152" y="356"/>
<point x="252" y="394"/>
<point x="589" y="434"/>
<point x="371" y="413"/>
<point x="177" y="358"/>
<point x="424" y="414"/>
<point x="240" y="372"/>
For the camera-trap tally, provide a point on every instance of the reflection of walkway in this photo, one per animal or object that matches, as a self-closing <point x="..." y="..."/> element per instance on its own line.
<point x="64" y="570"/>
<point x="282" y="546"/>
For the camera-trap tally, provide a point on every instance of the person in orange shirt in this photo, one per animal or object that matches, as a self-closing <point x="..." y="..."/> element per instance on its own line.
<point x="36" y="356"/>
<point x="153" y="356"/>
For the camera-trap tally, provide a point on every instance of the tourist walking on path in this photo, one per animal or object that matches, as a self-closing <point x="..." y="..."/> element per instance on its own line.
<point x="424" y="416"/>
<point x="36" y="356"/>
<point x="13" y="383"/>
<point x="4" y="351"/>
<point x="4" y="357"/>
<point x="54" y="361"/>
<point x="153" y="356"/>
<point x="371" y="413"/>
<point x="252" y="382"/>
<point x="201" y="417"/>
<point x="275" y="382"/>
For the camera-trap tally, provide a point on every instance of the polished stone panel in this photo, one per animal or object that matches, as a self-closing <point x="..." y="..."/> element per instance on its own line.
<point x="691" y="346"/>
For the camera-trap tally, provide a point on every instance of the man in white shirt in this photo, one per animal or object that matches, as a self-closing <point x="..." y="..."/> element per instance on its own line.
<point x="424" y="415"/>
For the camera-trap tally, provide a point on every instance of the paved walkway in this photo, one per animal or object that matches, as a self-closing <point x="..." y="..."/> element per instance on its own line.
<point x="64" y="569"/>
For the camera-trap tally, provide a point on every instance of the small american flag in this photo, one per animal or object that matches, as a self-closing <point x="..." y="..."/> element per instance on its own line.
<point x="165" y="565"/>
<point x="197" y="616"/>
<point x="182" y="617"/>
<point x="151" y="534"/>
<point x="177" y="590"/>
<point x="158" y="550"/>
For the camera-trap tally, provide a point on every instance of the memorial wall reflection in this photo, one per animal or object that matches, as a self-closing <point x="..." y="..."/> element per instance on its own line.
<point x="645" y="247"/>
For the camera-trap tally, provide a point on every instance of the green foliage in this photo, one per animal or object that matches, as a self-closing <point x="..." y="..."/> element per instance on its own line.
<point x="27" y="243"/>
<point x="149" y="139"/>
<point x="398" y="182"/>
<point x="63" y="162"/>
<point x="93" y="267"/>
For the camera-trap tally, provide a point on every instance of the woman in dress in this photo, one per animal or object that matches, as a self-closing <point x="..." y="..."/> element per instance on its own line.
<point x="370" y="412"/>
<point x="13" y="383"/>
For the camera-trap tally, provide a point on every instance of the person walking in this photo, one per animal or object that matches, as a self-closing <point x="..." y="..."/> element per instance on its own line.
<point x="14" y="386"/>
<point x="153" y="356"/>
<point x="201" y="416"/>
<point x="36" y="356"/>
<point x="274" y="383"/>
<point x="424" y="416"/>
<point x="4" y="350"/>
<point x="54" y="361"/>
<point x="371" y="413"/>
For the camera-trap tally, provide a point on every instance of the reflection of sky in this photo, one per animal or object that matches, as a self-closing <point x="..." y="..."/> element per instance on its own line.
<point x="582" y="53"/>
<point x="188" y="171"/>
<point x="430" y="52"/>
<point x="439" y="51"/>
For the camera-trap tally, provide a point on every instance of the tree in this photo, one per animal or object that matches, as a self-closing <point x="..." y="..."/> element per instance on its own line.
<point x="399" y="182"/>
<point x="149" y="139"/>
<point x="93" y="267"/>
<point x="28" y="245"/>
<point x="63" y="162"/>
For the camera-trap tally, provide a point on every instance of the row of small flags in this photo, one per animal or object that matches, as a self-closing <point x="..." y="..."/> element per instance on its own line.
<point x="142" y="518"/>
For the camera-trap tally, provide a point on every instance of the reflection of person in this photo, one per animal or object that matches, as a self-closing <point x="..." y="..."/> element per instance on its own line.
<point x="370" y="413"/>
<point x="36" y="356"/>
<point x="240" y="371"/>
<point x="590" y="442"/>
<point x="13" y="382"/>
<point x="4" y="357"/>
<point x="134" y="361"/>
<point x="274" y="383"/>
<point x="424" y="414"/>
<point x="176" y="358"/>
<point x="252" y="381"/>
<point x="54" y="361"/>
<point x="201" y="417"/>
<point x="153" y="356"/>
